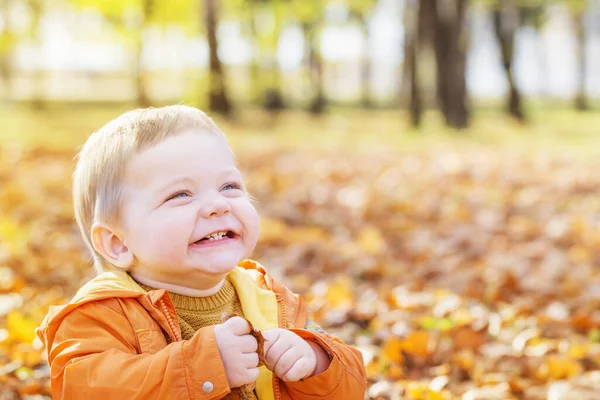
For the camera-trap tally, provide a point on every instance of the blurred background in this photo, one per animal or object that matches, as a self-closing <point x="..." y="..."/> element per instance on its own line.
<point x="230" y="54"/>
<point x="426" y="171"/>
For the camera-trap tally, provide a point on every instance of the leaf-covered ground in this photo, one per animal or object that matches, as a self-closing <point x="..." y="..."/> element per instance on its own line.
<point x="467" y="274"/>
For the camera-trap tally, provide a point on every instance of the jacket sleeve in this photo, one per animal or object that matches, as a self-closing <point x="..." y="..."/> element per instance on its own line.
<point x="345" y="378"/>
<point x="93" y="356"/>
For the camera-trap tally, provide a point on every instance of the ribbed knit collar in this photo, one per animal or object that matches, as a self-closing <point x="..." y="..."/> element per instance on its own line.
<point x="223" y="296"/>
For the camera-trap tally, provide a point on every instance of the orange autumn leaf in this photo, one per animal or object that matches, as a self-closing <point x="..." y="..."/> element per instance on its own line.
<point x="20" y="327"/>
<point x="468" y="338"/>
<point x="371" y="241"/>
<point x="418" y="343"/>
<point x="340" y="292"/>
<point x="374" y="368"/>
<point x="558" y="367"/>
<point x="393" y="350"/>
<point x="395" y="372"/>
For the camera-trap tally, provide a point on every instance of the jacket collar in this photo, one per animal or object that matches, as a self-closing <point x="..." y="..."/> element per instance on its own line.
<point x="108" y="282"/>
<point x="120" y="284"/>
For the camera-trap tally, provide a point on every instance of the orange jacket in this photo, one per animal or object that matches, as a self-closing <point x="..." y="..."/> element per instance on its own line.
<point x="115" y="341"/>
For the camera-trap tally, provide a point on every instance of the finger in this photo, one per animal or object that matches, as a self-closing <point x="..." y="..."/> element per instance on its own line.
<point x="275" y="352"/>
<point x="253" y="374"/>
<point x="271" y="337"/>
<point x="286" y="361"/>
<point x="247" y="344"/>
<point x="300" y="369"/>
<point x="238" y="326"/>
<point x="250" y="360"/>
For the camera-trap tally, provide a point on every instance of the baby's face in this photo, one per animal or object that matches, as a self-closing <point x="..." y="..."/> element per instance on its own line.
<point x="185" y="214"/>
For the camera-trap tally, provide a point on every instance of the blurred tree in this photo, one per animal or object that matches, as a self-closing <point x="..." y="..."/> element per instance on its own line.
<point x="199" y="17"/>
<point x="413" y="38"/>
<point x="7" y="40"/>
<point x="506" y="17"/>
<point x="218" y="99"/>
<point x="360" y="12"/>
<point x="310" y="15"/>
<point x="450" y="44"/>
<point x="37" y="8"/>
<point x="577" y="9"/>
<point x="263" y="22"/>
<point x="315" y="67"/>
<point x="442" y="25"/>
<point x="266" y="24"/>
<point x="273" y="95"/>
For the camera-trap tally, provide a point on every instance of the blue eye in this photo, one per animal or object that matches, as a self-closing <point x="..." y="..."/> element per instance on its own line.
<point x="232" y="186"/>
<point x="177" y="195"/>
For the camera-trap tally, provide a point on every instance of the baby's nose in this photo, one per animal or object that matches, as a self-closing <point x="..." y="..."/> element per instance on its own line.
<point x="215" y="208"/>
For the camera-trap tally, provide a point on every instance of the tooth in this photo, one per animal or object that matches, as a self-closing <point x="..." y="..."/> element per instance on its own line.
<point x="217" y="235"/>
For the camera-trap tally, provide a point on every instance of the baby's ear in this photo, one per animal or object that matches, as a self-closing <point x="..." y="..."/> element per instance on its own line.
<point x="111" y="246"/>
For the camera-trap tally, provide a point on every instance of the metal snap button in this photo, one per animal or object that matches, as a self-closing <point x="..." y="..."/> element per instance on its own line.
<point x="207" y="387"/>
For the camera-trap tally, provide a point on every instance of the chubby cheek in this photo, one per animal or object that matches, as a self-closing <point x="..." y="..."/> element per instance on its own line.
<point x="161" y="239"/>
<point x="250" y="219"/>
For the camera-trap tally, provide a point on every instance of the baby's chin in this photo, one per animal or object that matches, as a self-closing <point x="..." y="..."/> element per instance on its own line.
<point x="217" y="265"/>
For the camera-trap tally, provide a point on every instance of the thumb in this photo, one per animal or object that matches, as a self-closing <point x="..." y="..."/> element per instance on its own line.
<point x="238" y="326"/>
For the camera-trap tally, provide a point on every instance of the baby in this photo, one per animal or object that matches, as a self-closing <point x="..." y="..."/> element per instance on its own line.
<point x="165" y="213"/>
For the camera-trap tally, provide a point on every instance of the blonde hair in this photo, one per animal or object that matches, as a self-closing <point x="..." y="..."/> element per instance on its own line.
<point x="102" y="160"/>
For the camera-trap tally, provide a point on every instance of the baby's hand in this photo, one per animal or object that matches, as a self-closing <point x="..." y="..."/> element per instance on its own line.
<point x="289" y="356"/>
<point x="238" y="351"/>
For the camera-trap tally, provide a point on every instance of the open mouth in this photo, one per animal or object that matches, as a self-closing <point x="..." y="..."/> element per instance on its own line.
<point x="217" y="236"/>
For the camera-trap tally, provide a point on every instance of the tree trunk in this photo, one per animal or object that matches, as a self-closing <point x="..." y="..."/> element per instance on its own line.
<point x="411" y="81"/>
<point x="450" y="45"/>
<point x="506" y="22"/>
<point x="142" y="98"/>
<point x="366" y="67"/>
<point x="315" y="67"/>
<point x="218" y="100"/>
<point x="581" y="100"/>
<point x="37" y="98"/>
